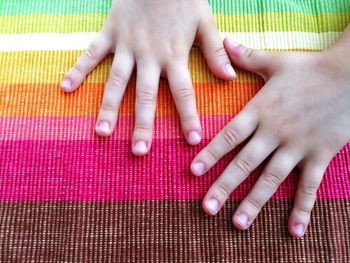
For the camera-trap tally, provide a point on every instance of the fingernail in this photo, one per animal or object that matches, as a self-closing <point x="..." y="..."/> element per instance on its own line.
<point x="140" y="147"/>
<point x="193" y="138"/>
<point x="233" y="42"/>
<point x="66" y="84"/>
<point x="213" y="206"/>
<point x="299" y="230"/>
<point x="230" y="71"/>
<point x="104" y="127"/>
<point x="242" y="219"/>
<point x="198" y="168"/>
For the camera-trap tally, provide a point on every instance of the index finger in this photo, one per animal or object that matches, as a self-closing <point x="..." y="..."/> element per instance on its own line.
<point x="234" y="133"/>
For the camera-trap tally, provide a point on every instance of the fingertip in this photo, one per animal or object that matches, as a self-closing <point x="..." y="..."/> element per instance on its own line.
<point x="211" y="206"/>
<point x="197" y="168"/>
<point x="140" y="148"/>
<point x="103" y="128"/>
<point x="297" y="230"/>
<point x="194" y="137"/>
<point x="67" y="85"/>
<point x="241" y="221"/>
<point x="230" y="72"/>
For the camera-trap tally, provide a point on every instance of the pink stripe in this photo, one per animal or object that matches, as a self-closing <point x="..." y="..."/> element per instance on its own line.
<point x="104" y="169"/>
<point x="82" y="128"/>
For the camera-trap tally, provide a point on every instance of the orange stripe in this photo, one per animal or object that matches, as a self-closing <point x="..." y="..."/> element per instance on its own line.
<point x="49" y="100"/>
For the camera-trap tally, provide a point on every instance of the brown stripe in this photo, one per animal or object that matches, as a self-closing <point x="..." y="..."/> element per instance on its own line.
<point x="166" y="231"/>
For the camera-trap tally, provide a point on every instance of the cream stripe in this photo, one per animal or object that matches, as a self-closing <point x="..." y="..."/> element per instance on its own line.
<point x="258" y="40"/>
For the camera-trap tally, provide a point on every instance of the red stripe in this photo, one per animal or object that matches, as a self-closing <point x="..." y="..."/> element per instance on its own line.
<point x="104" y="169"/>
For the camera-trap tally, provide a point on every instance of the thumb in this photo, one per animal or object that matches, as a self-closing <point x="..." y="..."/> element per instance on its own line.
<point x="257" y="61"/>
<point x="213" y="50"/>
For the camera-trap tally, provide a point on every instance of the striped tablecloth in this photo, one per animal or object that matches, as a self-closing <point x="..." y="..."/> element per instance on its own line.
<point x="67" y="195"/>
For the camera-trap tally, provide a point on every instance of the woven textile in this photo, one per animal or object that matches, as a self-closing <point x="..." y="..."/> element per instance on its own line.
<point x="67" y="195"/>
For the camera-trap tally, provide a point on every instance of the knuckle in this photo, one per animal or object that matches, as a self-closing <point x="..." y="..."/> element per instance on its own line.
<point x="108" y="108"/>
<point x="271" y="179"/>
<point x="91" y="52"/>
<point x="243" y="166"/>
<point x="302" y="209"/>
<point x="213" y="155"/>
<point x="79" y="68"/>
<point x="309" y="191"/>
<point x="230" y="136"/>
<point x="249" y="52"/>
<point x="189" y="119"/>
<point x="143" y="129"/>
<point x="176" y="50"/>
<point x="254" y="203"/>
<point x="221" y="53"/>
<point x="183" y="93"/>
<point x="223" y="189"/>
<point x="117" y="80"/>
<point x="146" y="96"/>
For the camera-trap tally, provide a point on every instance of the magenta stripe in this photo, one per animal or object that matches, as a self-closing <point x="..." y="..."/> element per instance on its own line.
<point x="104" y="169"/>
<point x="82" y="128"/>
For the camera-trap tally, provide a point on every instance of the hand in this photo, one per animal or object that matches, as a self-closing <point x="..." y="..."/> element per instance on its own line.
<point x="155" y="36"/>
<point x="301" y="117"/>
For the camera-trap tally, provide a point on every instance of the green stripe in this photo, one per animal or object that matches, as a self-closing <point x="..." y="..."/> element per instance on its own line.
<point x="15" y="7"/>
<point x="92" y="22"/>
<point x="266" y="6"/>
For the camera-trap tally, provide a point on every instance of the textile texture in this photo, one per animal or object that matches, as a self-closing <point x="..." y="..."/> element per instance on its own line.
<point x="67" y="195"/>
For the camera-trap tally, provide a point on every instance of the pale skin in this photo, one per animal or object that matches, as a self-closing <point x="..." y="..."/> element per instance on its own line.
<point x="155" y="37"/>
<point x="300" y="118"/>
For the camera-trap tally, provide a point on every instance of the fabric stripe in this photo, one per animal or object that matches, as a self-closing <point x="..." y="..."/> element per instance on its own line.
<point x="15" y="7"/>
<point x="82" y="128"/>
<point x="167" y="231"/>
<point x="47" y="67"/>
<point x="80" y="41"/>
<point x="50" y="100"/>
<point x="43" y="23"/>
<point x="105" y="169"/>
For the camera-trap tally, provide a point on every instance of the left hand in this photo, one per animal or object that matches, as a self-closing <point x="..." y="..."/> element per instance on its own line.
<point x="301" y="117"/>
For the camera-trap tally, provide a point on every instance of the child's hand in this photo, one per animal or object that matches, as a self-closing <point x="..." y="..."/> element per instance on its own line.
<point x="155" y="36"/>
<point x="301" y="117"/>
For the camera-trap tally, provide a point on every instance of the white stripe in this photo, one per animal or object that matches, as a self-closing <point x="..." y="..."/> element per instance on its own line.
<point x="258" y="40"/>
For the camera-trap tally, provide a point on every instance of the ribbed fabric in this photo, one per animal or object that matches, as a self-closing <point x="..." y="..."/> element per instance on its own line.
<point x="67" y="195"/>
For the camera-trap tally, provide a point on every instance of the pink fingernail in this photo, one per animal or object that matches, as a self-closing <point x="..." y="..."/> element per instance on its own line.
<point x="193" y="138"/>
<point x="66" y="84"/>
<point x="104" y="127"/>
<point x="213" y="206"/>
<point x="198" y="168"/>
<point x="299" y="230"/>
<point x="230" y="71"/>
<point x="140" y="147"/>
<point x="242" y="219"/>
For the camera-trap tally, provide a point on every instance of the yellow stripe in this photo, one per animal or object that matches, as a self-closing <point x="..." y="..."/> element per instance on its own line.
<point x="50" y="67"/>
<point x="302" y="22"/>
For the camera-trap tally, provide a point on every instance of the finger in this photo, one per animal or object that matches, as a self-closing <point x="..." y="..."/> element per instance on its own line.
<point x="182" y="90"/>
<point x="213" y="49"/>
<point x="95" y="53"/>
<point x="235" y="132"/>
<point x="146" y="97"/>
<point x="305" y="197"/>
<point x="250" y="157"/>
<point x="257" y="61"/>
<point x="278" y="168"/>
<point x="119" y="76"/>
